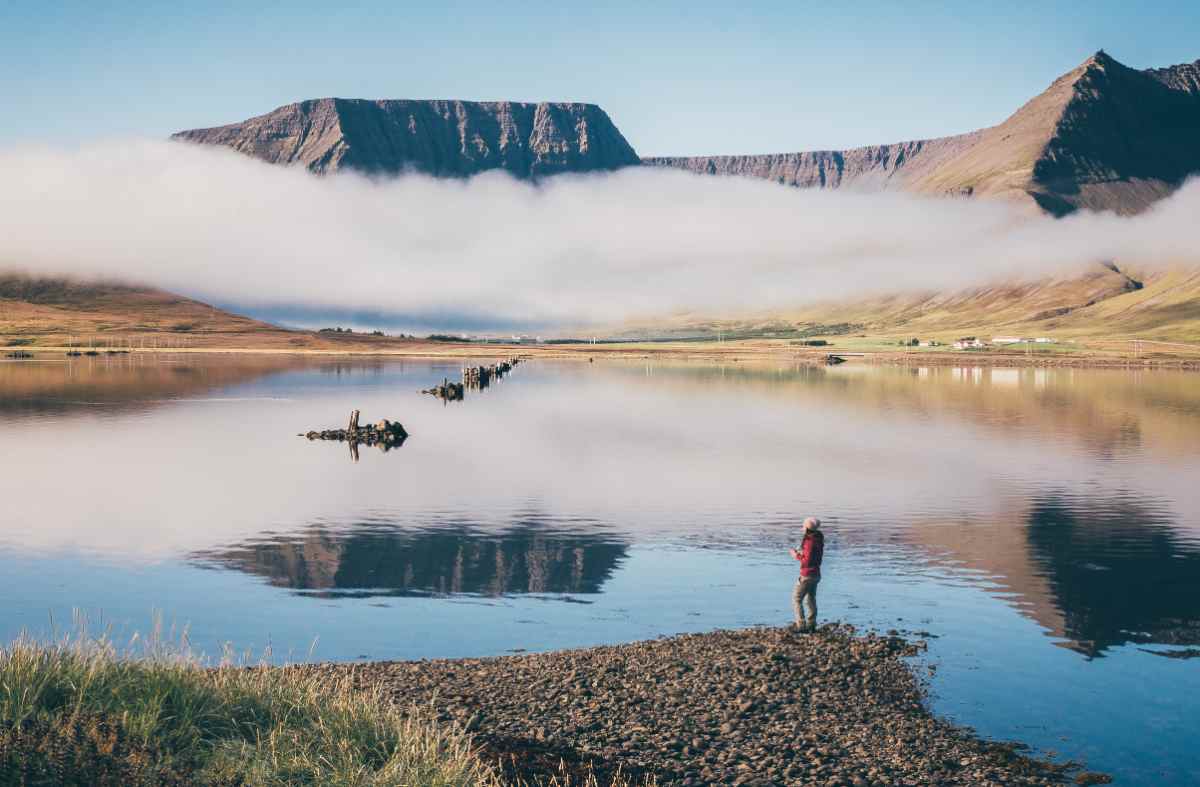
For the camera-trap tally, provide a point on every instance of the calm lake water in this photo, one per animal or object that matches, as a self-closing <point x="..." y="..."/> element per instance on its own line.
<point x="1043" y="526"/>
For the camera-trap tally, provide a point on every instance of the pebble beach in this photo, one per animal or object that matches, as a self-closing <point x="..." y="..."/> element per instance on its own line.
<point x="762" y="706"/>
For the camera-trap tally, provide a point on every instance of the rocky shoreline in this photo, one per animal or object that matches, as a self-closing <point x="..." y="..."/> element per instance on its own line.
<point x="762" y="706"/>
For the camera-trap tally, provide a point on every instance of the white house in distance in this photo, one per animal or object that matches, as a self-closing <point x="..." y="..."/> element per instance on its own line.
<point x="1007" y="340"/>
<point x="1045" y="340"/>
<point x="967" y="342"/>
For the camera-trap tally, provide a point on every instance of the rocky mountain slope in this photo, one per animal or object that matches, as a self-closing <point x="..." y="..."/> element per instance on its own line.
<point x="1105" y="301"/>
<point x="1103" y="136"/>
<point x="443" y="138"/>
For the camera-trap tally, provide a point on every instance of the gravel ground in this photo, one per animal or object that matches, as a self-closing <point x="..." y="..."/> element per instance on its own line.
<point x="756" y="706"/>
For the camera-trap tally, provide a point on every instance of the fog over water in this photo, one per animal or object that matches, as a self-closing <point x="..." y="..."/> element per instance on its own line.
<point x="218" y="225"/>
<point x="568" y="451"/>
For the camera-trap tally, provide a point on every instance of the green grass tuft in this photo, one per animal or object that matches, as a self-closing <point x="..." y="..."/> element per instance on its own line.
<point x="78" y="712"/>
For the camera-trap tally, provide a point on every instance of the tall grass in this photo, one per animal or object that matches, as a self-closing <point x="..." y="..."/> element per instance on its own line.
<point x="80" y="712"/>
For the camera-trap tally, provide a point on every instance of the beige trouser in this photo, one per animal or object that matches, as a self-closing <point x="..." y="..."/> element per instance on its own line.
<point x="805" y="593"/>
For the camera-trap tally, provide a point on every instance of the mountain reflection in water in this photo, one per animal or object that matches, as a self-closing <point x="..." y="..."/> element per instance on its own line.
<point x="1094" y="572"/>
<point x="1118" y="574"/>
<point x="449" y="559"/>
<point x="54" y="385"/>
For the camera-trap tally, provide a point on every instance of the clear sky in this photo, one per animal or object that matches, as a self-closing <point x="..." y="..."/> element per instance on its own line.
<point x="677" y="78"/>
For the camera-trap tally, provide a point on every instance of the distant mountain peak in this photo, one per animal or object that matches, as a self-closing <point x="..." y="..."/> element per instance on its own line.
<point x="436" y="137"/>
<point x="1102" y="136"/>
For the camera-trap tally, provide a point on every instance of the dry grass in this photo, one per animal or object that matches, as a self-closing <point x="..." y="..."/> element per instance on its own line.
<point x="50" y="312"/>
<point x="79" y="750"/>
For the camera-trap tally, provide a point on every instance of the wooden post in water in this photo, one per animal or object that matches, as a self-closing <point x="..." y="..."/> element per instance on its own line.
<point x="353" y="421"/>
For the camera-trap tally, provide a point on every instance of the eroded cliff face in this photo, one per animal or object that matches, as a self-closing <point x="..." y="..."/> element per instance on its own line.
<point x="873" y="167"/>
<point x="1102" y="136"/>
<point x="442" y="138"/>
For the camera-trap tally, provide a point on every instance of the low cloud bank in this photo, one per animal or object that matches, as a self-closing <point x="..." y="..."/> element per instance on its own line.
<point x="571" y="250"/>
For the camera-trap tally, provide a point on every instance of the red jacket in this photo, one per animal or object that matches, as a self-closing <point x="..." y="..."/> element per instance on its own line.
<point x="811" y="552"/>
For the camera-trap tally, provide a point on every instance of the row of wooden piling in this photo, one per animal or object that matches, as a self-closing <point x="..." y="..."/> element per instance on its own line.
<point x="482" y="376"/>
<point x="391" y="434"/>
<point x="473" y="377"/>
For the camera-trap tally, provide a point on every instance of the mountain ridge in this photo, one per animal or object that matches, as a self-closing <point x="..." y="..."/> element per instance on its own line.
<point x="1103" y="136"/>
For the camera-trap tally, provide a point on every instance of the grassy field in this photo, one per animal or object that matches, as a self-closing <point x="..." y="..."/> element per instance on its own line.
<point x="41" y="313"/>
<point x="1161" y="304"/>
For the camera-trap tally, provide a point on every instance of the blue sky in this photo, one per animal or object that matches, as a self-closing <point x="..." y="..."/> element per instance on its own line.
<point x="678" y="78"/>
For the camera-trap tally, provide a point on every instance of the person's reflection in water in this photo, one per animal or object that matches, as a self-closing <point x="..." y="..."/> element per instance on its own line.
<point x="810" y="553"/>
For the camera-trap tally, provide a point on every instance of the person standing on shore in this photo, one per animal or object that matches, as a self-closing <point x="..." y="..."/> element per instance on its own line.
<point x="810" y="553"/>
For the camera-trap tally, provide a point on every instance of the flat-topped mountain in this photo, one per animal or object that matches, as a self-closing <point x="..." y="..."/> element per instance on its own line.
<point x="444" y="138"/>
<point x="1103" y="136"/>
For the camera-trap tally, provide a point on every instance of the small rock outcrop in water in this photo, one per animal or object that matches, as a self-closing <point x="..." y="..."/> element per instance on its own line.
<point x="447" y="391"/>
<point x="758" y="706"/>
<point x="443" y="138"/>
<point x="385" y="433"/>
